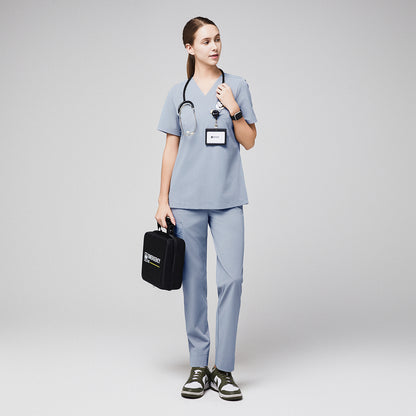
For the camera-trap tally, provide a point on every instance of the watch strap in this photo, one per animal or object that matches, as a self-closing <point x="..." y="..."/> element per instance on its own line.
<point x="237" y="115"/>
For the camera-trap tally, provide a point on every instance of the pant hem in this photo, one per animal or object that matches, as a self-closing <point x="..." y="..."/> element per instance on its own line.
<point x="224" y="367"/>
<point x="199" y="360"/>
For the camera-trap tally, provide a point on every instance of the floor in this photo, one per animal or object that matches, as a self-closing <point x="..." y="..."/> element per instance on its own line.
<point x="98" y="370"/>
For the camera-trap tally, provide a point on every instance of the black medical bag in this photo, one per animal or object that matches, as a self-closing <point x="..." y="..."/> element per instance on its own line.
<point x="163" y="258"/>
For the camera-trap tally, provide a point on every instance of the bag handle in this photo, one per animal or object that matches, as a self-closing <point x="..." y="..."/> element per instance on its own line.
<point x="170" y="227"/>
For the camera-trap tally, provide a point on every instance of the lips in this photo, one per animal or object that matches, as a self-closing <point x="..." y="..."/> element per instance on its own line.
<point x="213" y="56"/>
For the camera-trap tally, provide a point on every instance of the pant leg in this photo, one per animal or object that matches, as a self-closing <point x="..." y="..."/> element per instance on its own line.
<point x="192" y="226"/>
<point x="227" y="228"/>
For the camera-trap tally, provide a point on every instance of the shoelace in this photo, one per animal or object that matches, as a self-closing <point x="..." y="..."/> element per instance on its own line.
<point x="226" y="377"/>
<point x="196" y="375"/>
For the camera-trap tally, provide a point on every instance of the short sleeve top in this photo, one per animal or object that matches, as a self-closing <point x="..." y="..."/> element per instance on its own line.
<point x="207" y="176"/>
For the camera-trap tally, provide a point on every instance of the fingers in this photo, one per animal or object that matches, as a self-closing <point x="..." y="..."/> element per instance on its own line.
<point x="161" y="218"/>
<point x="160" y="221"/>
<point x="225" y="94"/>
<point x="223" y="87"/>
<point x="172" y="218"/>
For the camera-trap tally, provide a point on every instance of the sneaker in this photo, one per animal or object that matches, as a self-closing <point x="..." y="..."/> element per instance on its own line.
<point x="222" y="381"/>
<point x="197" y="383"/>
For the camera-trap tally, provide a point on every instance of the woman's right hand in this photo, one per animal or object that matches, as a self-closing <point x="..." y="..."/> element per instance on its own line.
<point x="164" y="211"/>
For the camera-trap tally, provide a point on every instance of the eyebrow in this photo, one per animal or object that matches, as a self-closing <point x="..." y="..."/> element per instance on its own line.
<point x="213" y="36"/>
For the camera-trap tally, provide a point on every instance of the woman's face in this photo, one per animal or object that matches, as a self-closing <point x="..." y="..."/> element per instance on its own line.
<point x="207" y="45"/>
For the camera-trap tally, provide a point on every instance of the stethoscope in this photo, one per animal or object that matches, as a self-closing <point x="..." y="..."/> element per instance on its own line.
<point x="215" y="113"/>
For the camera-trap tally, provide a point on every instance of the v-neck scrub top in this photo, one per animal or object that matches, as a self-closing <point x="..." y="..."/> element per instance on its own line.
<point x="207" y="176"/>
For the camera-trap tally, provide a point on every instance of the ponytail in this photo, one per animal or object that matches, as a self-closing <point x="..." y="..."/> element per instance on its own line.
<point x="190" y="65"/>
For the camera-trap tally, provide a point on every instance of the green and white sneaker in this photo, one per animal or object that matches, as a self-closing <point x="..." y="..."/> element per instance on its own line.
<point x="223" y="382"/>
<point x="197" y="383"/>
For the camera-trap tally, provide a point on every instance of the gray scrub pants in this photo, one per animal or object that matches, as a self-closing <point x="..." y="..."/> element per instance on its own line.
<point x="227" y="229"/>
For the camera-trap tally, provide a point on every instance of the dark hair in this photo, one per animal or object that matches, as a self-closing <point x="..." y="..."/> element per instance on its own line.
<point x="188" y="36"/>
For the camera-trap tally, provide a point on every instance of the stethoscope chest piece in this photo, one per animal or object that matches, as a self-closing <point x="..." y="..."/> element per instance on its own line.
<point x="219" y="105"/>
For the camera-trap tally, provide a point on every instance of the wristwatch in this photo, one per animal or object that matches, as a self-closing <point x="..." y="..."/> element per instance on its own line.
<point x="237" y="115"/>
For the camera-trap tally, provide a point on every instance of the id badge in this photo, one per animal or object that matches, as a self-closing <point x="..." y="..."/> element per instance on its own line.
<point x="215" y="136"/>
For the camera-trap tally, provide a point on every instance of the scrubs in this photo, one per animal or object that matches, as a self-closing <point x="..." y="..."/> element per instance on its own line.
<point x="207" y="177"/>
<point x="207" y="188"/>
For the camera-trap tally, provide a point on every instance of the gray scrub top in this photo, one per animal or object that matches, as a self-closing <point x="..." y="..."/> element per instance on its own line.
<point x="207" y="176"/>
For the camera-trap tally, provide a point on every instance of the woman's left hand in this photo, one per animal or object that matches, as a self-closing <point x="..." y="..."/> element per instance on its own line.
<point x="225" y="95"/>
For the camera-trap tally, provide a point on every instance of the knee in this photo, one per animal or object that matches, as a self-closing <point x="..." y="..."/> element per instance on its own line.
<point x="233" y="281"/>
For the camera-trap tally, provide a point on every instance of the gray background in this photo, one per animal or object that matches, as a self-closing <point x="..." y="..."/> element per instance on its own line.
<point x="328" y="313"/>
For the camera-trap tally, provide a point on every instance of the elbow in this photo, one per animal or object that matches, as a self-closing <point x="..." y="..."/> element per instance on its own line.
<point x="250" y="144"/>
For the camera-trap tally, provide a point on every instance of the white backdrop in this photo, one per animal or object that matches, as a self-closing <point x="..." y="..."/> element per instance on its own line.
<point x="330" y="227"/>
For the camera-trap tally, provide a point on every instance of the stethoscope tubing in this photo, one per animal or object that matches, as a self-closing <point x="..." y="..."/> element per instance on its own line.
<point x="185" y="101"/>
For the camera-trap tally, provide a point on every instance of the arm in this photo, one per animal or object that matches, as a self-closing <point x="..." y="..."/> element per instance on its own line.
<point x="244" y="133"/>
<point x="168" y="162"/>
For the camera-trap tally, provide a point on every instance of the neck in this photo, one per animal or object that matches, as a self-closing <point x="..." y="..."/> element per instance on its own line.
<point x="206" y="71"/>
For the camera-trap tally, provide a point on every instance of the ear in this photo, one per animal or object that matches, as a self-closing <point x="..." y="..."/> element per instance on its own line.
<point x="190" y="49"/>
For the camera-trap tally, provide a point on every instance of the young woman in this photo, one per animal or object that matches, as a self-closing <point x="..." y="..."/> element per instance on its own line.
<point x="206" y="118"/>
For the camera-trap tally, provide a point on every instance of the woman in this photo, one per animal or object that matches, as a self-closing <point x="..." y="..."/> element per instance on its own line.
<point x="202" y="183"/>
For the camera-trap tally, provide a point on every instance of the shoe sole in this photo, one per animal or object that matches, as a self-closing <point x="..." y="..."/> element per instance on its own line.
<point x="231" y="397"/>
<point x="194" y="395"/>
